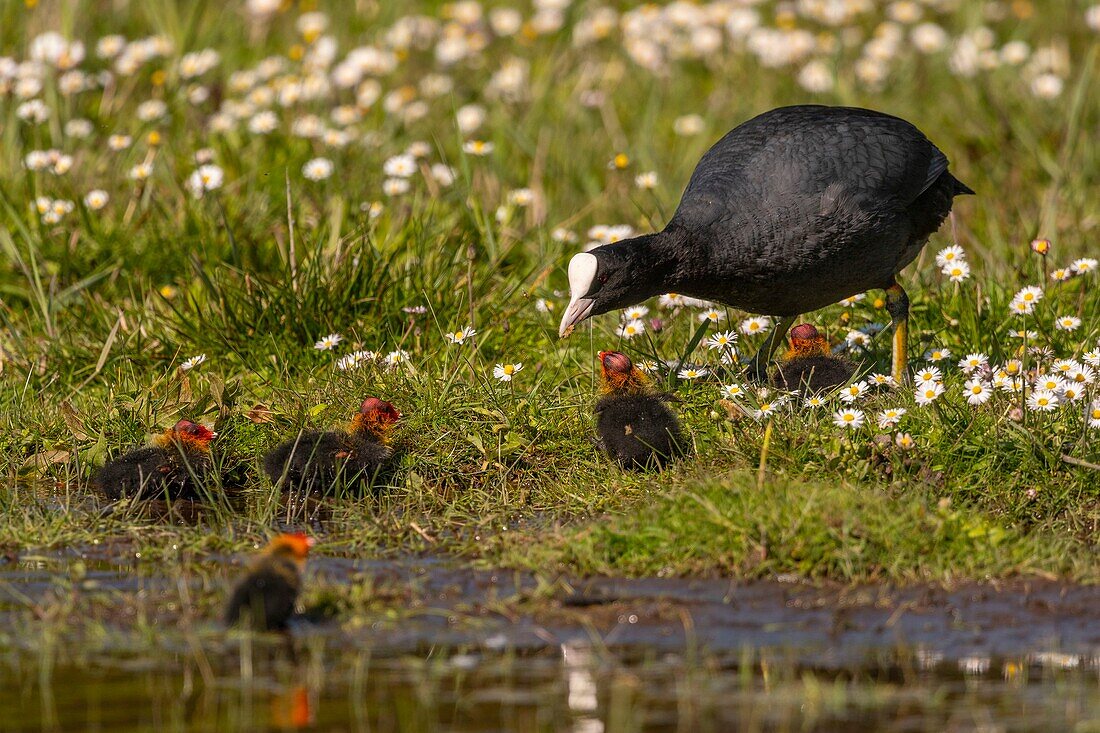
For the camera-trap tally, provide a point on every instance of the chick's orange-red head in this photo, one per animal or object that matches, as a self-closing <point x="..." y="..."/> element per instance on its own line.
<point x="189" y="434"/>
<point x="376" y="417"/>
<point x="292" y="544"/>
<point x="807" y="341"/>
<point x="620" y="374"/>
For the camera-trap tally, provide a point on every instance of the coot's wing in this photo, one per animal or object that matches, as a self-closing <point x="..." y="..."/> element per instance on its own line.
<point x="794" y="163"/>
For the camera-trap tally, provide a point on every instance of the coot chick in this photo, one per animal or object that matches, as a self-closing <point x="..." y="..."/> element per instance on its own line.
<point x="175" y="467"/>
<point x="634" y="424"/>
<point x="317" y="462"/>
<point x="265" y="597"/>
<point x="809" y="364"/>
<point x="791" y="211"/>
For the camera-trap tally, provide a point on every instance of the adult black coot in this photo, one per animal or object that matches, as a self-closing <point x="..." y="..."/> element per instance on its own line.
<point x="791" y="211"/>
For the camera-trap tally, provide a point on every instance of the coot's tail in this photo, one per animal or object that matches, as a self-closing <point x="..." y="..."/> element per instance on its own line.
<point x="960" y="187"/>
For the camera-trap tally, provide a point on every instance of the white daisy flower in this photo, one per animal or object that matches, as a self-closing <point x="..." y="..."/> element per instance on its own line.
<point x="927" y="393"/>
<point x="395" y="186"/>
<point x="977" y="392"/>
<point x="1050" y="382"/>
<point x="1030" y="294"/>
<point x="849" y="418"/>
<point x="1071" y="392"/>
<point x="928" y="374"/>
<point x="328" y="343"/>
<point x="937" y="355"/>
<point x="630" y="329"/>
<point x="813" y="402"/>
<point x="852" y="392"/>
<point x="1083" y="265"/>
<point x="477" y="147"/>
<point x="141" y="171"/>
<point x="460" y="336"/>
<point x="396" y="358"/>
<point x="890" y="417"/>
<point x="400" y="166"/>
<point x="317" y="169"/>
<point x="505" y="372"/>
<point x="756" y="325"/>
<point x="722" y="340"/>
<point x="207" y="178"/>
<point x="671" y="300"/>
<point x="857" y="339"/>
<point x="96" y="199"/>
<point x="693" y="372"/>
<point x="1067" y="323"/>
<point x="1042" y="400"/>
<point x="713" y="315"/>
<point x="635" y="313"/>
<point x="1082" y="374"/>
<point x="950" y="255"/>
<point x="973" y="362"/>
<point x="193" y="362"/>
<point x="1021" y="307"/>
<point x="852" y="300"/>
<point x="878" y="379"/>
<point x="957" y="271"/>
<point x="732" y="391"/>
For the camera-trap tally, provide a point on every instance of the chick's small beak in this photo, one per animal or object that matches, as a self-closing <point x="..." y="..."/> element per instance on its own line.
<point x="578" y="310"/>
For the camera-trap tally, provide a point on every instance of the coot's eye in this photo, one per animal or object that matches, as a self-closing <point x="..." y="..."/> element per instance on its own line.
<point x="602" y="278"/>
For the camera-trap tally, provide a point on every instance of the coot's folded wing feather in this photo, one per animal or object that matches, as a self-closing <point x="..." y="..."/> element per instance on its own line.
<point x="779" y="166"/>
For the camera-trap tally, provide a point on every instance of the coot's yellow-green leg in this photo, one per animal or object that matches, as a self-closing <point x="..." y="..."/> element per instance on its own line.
<point x="758" y="367"/>
<point x="897" y="305"/>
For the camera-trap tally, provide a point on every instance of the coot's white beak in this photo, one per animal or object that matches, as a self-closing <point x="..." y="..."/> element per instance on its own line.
<point x="582" y="273"/>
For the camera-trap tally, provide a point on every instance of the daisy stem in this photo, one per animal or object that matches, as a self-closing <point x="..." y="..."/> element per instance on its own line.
<point x="763" y="466"/>
<point x="699" y="334"/>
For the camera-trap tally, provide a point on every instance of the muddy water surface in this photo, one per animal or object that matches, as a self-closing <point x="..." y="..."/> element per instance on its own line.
<point x="95" y="643"/>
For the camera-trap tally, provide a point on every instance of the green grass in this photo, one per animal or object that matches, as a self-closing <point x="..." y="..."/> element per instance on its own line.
<point x="98" y="311"/>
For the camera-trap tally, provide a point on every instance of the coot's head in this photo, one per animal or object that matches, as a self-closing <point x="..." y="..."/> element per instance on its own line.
<point x="600" y="281"/>
<point x="618" y="373"/>
<point x="376" y="417"/>
<point x="807" y="341"/>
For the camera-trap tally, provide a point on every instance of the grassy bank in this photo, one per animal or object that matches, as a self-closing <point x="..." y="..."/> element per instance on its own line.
<point x="456" y="189"/>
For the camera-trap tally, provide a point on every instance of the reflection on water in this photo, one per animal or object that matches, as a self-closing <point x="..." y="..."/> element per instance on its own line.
<point x="575" y="688"/>
<point x="576" y="657"/>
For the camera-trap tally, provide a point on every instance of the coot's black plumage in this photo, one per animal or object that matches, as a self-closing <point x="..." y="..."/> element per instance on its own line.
<point x="791" y="211"/>
<point x="176" y="467"/>
<point x="318" y="462"/>
<point x="808" y="364"/>
<point x="633" y="420"/>
<point x="266" y="596"/>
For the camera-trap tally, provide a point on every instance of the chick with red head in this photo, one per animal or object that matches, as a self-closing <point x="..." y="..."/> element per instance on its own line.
<point x="320" y="462"/>
<point x="177" y="466"/>
<point x="633" y="420"/>
<point x="266" y="597"/>
<point x="809" y="364"/>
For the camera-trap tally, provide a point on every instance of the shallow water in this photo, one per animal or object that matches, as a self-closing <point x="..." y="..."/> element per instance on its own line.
<point x="456" y="649"/>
